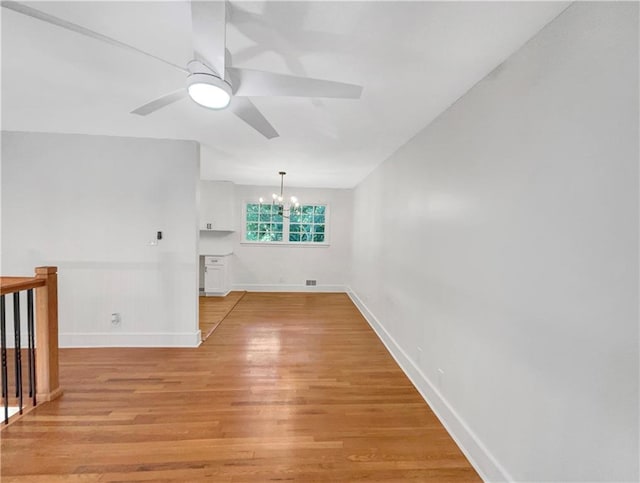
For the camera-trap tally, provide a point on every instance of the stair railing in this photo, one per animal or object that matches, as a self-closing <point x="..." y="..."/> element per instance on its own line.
<point x="42" y="337"/>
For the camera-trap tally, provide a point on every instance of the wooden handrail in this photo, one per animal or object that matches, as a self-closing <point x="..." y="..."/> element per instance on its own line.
<point x="17" y="284"/>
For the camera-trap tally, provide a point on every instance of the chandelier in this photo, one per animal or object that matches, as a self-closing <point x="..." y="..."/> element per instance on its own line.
<point x="282" y="207"/>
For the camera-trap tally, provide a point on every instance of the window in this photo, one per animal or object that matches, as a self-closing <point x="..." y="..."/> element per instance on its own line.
<point x="265" y="223"/>
<point x="308" y="224"/>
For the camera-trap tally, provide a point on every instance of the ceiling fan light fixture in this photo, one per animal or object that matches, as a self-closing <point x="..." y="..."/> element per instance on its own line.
<point x="208" y="90"/>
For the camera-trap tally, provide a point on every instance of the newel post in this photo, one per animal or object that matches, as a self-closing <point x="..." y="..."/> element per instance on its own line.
<point x="47" y="377"/>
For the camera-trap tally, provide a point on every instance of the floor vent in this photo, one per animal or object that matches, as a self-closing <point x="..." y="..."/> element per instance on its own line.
<point x="311" y="283"/>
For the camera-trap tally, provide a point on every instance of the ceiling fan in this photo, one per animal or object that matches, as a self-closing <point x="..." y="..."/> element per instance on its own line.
<point x="211" y="81"/>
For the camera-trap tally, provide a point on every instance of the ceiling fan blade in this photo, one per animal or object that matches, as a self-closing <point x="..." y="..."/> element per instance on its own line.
<point x="238" y="16"/>
<point x="160" y="102"/>
<point x="248" y="82"/>
<point x="249" y="113"/>
<point x="45" y="17"/>
<point x="208" y="19"/>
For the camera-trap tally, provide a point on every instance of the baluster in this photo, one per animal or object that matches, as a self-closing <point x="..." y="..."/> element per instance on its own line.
<point x="32" y="351"/>
<point x="3" y="345"/>
<point x="18" y="358"/>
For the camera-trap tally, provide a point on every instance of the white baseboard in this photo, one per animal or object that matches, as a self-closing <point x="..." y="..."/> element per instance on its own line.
<point x="129" y="339"/>
<point x="476" y="452"/>
<point x="289" y="288"/>
<point x="212" y="294"/>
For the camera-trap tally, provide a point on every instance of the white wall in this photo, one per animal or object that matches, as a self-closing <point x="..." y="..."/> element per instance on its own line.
<point x="500" y="245"/>
<point x="283" y="268"/>
<point x="91" y="205"/>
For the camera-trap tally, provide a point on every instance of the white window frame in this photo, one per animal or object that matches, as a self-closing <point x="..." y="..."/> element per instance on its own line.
<point x="285" y="229"/>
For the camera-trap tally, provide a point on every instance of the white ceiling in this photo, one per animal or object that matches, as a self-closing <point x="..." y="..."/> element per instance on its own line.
<point x="414" y="59"/>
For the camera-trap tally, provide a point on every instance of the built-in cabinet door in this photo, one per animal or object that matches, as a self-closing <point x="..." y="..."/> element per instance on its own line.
<point x="214" y="279"/>
<point x="217" y="205"/>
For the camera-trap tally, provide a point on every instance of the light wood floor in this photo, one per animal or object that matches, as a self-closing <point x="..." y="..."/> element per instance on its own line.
<point x="213" y="310"/>
<point x="292" y="387"/>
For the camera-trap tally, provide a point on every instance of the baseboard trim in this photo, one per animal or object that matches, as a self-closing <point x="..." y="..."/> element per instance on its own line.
<point x="129" y="339"/>
<point x="214" y="294"/>
<point x="289" y="288"/>
<point x="473" y="448"/>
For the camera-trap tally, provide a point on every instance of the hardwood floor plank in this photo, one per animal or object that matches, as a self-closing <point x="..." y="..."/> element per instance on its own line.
<point x="213" y="310"/>
<point x="291" y="387"/>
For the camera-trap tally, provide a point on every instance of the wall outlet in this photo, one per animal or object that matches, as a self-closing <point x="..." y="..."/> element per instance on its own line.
<point x="311" y="283"/>
<point x="115" y="318"/>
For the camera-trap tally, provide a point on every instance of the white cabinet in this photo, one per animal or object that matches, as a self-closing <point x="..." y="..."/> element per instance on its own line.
<point x="217" y="202"/>
<point x="216" y="275"/>
<point x="213" y="279"/>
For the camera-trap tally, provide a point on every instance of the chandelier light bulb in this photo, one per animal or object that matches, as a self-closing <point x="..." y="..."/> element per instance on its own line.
<point x="261" y="199"/>
<point x="275" y="196"/>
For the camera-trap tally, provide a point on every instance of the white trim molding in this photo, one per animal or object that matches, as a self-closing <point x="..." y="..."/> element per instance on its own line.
<point x="213" y="294"/>
<point x="489" y="469"/>
<point x="129" y="339"/>
<point x="250" y="287"/>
